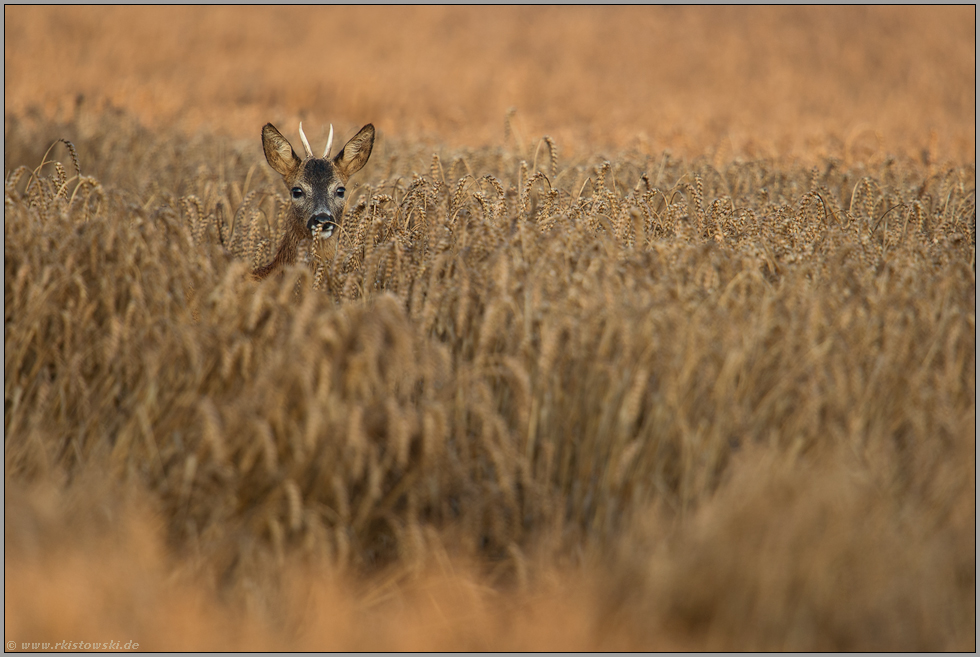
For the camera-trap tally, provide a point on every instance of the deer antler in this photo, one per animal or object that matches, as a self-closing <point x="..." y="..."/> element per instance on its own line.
<point x="306" y="143"/>
<point x="326" y="153"/>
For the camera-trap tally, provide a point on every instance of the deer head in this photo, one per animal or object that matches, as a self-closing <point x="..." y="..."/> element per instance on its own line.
<point x="316" y="187"/>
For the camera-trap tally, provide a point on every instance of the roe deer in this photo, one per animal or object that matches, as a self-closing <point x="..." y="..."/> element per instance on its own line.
<point x="316" y="186"/>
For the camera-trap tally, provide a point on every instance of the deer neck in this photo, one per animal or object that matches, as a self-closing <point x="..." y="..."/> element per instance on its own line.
<point x="285" y="255"/>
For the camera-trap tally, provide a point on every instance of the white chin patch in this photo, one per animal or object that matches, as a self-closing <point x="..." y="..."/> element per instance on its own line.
<point x="327" y="231"/>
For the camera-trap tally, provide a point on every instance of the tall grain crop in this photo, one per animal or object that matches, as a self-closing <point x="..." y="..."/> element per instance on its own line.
<point x="695" y="404"/>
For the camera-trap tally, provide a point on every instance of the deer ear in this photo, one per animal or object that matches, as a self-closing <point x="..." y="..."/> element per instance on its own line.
<point x="355" y="153"/>
<point x="278" y="153"/>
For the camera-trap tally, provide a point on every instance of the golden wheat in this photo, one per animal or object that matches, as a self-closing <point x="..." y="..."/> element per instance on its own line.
<point x="686" y="391"/>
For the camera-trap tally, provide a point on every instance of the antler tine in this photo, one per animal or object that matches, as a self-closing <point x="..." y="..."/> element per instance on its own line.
<point x="306" y="143"/>
<point x="326" y="153"/>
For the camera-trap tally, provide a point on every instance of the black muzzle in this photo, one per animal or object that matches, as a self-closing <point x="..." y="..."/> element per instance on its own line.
<point x="326" y="223"/>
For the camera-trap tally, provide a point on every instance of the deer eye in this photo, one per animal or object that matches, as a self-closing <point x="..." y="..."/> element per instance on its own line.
<point x="341" y="191"/>
<point x="297" y="192"/>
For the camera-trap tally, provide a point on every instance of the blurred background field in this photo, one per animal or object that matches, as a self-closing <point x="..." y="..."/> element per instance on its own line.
<point x="753" y="81"/>
<point x="647" y="328"/>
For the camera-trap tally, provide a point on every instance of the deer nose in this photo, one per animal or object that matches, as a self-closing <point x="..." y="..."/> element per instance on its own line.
<point x="325" y="221"/>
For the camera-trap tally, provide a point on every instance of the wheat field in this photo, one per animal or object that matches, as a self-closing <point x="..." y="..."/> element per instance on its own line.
<point x="645" y="329"/>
